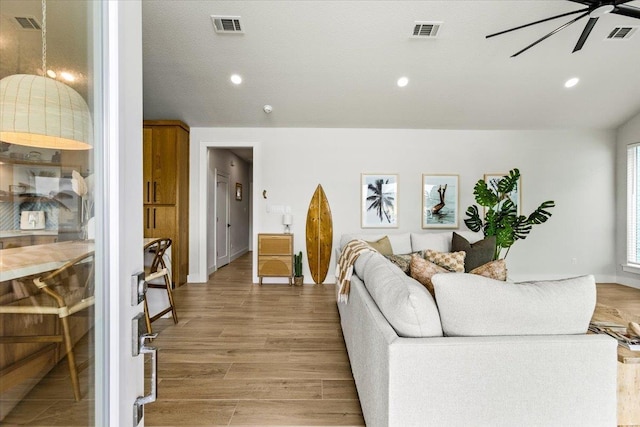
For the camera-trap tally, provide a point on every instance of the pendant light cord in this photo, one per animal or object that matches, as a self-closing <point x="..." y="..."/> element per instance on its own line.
<point x="44" y="38"/>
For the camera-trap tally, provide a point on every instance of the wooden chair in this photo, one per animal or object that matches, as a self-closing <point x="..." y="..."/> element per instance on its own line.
<point x="154" y="270"/>
<point x="63" y="292"/>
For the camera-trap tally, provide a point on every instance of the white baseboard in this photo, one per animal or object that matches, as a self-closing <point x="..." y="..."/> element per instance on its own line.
<point x="627" y="281"/>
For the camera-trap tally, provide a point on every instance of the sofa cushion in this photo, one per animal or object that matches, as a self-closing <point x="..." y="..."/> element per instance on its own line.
<point x="478" y="253"/>
<point x="400" y="243"/>
<point x="423" y="270"/>
<point x="440" y="242"/>
<point x="452" y="261"/>
<point x="382" y="245"/>
<point x="405" y="303"/>
<point x="472" y="305"/>
<point x="494" y="270"/>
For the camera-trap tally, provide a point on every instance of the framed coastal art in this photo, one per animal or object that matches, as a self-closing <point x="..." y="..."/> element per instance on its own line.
<point x="492" y="180"/>
<point x="440" y="201"/>
<point x="379" y="200"/>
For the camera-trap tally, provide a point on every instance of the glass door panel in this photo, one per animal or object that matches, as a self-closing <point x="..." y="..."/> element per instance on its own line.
<point x="49" y="289"/>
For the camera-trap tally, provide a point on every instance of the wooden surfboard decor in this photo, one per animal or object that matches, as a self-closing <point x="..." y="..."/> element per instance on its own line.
<point x="319" y="235"/>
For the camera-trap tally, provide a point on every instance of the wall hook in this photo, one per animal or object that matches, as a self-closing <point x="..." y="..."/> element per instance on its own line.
<point x="264" y="194"/>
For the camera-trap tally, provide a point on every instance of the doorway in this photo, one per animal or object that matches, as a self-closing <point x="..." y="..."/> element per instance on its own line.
<point x="229" y="205"/>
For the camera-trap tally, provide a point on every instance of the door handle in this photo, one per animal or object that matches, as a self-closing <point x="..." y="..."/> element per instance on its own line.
<point x="148" y="185"/>
<point x="154" y="218"/>
<point x="155" y="189"/>
<point x="138" y="405"/>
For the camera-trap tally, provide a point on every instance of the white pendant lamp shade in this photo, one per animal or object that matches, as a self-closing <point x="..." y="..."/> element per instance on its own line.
<point x="41" y="112"/>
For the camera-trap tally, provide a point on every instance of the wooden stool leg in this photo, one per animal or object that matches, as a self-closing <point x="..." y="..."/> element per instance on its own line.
<point x="170" y="294"/>
<point x="75" y="383"/>
<point x="147" y="319"/>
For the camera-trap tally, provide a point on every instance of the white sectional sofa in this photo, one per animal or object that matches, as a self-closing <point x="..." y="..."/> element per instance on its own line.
<point x="408" y="373"/>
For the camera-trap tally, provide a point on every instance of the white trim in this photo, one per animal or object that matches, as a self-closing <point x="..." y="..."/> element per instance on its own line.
<point x="199" y="157"/>
<point x="631" y="268"/>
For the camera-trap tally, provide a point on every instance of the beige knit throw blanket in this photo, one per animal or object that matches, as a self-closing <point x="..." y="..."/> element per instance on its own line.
<point x="348" y="257"/>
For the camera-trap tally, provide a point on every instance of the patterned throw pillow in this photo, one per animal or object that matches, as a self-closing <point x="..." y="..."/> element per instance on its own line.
<point x="403" y="262"/>
<point x="423" y="270"/>
<point x="452" y="261"/>
<point x="494" y="270"/>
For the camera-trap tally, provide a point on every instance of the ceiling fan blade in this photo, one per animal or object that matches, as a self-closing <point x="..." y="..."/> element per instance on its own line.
<point x="630" y="11"/>
<point x="596" y="3"/>
<point x="550" y="34"/>
<point x="537" y="22"/>
<point x="585" y="33"/>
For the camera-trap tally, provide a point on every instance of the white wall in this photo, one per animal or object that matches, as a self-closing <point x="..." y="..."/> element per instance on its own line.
<point x="629" y="133"/>
<point x="574" y="168"/>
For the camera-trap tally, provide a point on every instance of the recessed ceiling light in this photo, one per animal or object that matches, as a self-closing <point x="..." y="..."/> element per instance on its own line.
<point x="236" y="79"/>
<point x="403" y="81"/>
<point x="571" y="82"/>
<point x="51" y="74"/>
<point x="67" y="76"/>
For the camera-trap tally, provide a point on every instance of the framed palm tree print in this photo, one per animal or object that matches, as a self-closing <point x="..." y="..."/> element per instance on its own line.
<point x="440" y="201"/>
<point x="379" y="194"/>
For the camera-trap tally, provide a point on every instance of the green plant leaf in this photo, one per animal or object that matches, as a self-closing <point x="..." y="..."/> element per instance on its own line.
<point x="504" y="239"/>
<point x="473" y="221"/>
<point x="509" y="182"/>
<point x="521" y="228"/>
<point x="541" y="215"/>
<point x="483" y="194"/>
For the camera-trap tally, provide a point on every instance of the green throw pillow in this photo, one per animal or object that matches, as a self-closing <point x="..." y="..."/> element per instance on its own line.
<point x="478" y="253"/>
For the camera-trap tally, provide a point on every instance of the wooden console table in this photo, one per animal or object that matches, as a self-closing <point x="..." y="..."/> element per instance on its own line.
<point x="628" y="368"/>
<point x="275" y="256"/>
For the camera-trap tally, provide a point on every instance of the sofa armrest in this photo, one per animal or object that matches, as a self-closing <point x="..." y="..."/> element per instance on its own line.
<point x="502" y="380"/>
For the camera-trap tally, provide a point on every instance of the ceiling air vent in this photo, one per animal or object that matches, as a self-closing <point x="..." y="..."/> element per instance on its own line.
<point x="428" y="30"/>
<point x="622" y="33"/>
<point x="28" y="23"/>
<point x="227" y="24"/>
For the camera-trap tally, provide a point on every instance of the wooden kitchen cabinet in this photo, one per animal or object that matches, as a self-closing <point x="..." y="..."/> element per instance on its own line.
<point x="275" y="256"/>
<point x="166" y="189"/>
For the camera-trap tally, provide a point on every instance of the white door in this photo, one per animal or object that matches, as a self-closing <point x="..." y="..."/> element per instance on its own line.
<point x="102" y="213"/>
<point x="122" y="226"/>
<point x="223" y="224"/>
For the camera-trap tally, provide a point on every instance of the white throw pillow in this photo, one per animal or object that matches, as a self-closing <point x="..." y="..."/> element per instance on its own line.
<point x="406" y="304"/>
<point x="472" y="305"/>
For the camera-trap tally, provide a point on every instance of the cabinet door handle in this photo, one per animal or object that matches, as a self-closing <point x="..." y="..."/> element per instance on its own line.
<point x="148" y="190"/>
<point x="155" y="189"/>
<point x="154" y="217"/>
<point x="147" y="217"/>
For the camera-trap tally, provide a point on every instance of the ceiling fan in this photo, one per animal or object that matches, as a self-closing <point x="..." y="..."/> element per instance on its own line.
<point x="594" y="10"/>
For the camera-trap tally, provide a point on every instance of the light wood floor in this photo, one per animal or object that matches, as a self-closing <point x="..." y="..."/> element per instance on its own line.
<point x="243" y="355"/>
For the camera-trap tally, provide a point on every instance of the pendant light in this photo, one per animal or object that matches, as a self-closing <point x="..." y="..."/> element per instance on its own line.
<point x="37" y="111"/>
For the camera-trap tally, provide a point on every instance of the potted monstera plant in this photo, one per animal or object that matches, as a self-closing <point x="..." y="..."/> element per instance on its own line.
<point x="501" y="217"/>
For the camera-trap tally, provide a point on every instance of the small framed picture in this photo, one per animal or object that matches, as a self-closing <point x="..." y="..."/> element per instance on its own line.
<point x="238" y="191"/>
<point x="492" y="180"/>
<point x="440" y="201"/>
<point x="379" y="200"/>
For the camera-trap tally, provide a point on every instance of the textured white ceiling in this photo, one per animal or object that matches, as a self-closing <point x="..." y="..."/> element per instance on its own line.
<point x="335" y="64"/>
